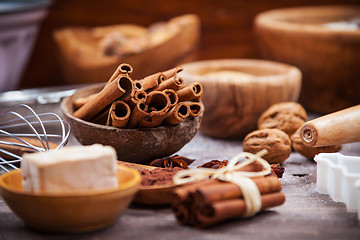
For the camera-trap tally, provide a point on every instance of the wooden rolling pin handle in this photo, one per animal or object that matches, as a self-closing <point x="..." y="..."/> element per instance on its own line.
<point x="308" y="135"/>
<point x="332" y="129"/>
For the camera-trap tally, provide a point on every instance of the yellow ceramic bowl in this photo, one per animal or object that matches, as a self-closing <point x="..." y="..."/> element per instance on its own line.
<point x="81" y="212"/>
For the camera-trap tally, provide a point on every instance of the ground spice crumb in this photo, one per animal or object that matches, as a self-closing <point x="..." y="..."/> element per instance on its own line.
<point x="158" y="176"/>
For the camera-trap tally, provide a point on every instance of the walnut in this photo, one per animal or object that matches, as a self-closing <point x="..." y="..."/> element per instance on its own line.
<point x="310" y="152"/>
<point x="275" y="141"/>
<point x="286" y="116"/>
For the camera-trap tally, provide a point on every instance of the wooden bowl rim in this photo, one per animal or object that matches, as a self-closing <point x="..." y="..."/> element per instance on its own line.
<point x="133" y="182"/>
<point x="274" y="19"/>
<point x="60" y="34"/>
<point x="285" y="69"/>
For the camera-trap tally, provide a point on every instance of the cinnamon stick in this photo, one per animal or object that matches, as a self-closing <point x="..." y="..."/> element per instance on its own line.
<point x="102" y="117"/>
<point x="183" y="198"/>
<point x="190" y="92"/>
<point x="158" y="101"/>
<point x="120" y="87"/>
<point x="123" y="68"/>
<point x="227" y="190"/>
<point x="185" y="192"/>
<point x="138" y="96"/>
<point x="204" y="203"/>
<point x="171" y="72"/>
<point x="79" y="102"/>
<point x="195" y="108"/>
<point x="152" y="81"/>
<point x="158" y="106"/>
<point x="172" y="96"/>
<point x="333" y="129"/>
<point x="137" y="85"/>
<point x="177" y="114"/>
<point x="174" y="83"/>
<point x="119" y="114"/>
<point x="210" y="213"/>
<point x="139" y="112"/>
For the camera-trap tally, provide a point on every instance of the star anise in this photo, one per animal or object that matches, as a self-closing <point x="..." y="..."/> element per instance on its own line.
<point x="215" y="164"/>
<point x="277" y="170"/>
<point x="173" y="161"/>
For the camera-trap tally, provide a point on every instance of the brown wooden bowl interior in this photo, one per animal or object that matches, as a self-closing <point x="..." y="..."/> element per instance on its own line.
<point x="306" y="19"/>
<point x="328" y="58"/>
<point x="83" y="62"/>
<point x="232" y="107"/>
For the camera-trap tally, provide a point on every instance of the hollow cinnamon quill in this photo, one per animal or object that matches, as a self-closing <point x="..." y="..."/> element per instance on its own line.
<point x="333" y="129"/>
<point x="137" y="85"/>
<point x="102" y="117"/>
<point x="152" y="81"/>
<point x="158" y="106"/>
<point x="138" y="113"/>
<point x="123" y="68"/>
<point x="171" y="72"/>
<point x="119" y="114"/>
<point x="174" y="99"/>
<point x="183" y="198"/>
<point x="120" y="87"/>
<point x="177" y="114"/>
<point x="195" y="108"/>
<point x="174" y="83"/>
<point x="79" y="102"/>
<point x="138" y="96"/>
<point x="190" y="92"/>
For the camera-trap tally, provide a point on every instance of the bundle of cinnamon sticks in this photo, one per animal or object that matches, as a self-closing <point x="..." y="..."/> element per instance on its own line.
<point x="157" y="99"/>
<point x="205" y="203"/>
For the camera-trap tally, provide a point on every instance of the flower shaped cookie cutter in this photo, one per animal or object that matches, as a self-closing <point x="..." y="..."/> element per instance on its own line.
<point x="339" y="176"/>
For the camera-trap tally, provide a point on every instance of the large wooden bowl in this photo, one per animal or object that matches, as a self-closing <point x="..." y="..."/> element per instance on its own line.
<point x="83" y="62"/>
<point x="233" y="105"/>
<point x="132" y="145"/>
<point x="328" y="58"/>
<point x="82" y="212"/>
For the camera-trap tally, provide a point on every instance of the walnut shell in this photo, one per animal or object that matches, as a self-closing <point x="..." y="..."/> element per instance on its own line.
<point x="286" y="116"/>
<point x="275" y="141"/>
<point x="310" y="152"/>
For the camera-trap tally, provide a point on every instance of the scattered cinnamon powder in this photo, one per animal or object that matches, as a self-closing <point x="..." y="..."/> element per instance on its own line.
<point x="158" y="176"/>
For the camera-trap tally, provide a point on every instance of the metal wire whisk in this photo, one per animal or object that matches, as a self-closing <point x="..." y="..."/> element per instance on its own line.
<point x="23" y="130"/>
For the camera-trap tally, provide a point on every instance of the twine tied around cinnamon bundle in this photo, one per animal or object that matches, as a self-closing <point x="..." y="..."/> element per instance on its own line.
<point x="231" y="173"/>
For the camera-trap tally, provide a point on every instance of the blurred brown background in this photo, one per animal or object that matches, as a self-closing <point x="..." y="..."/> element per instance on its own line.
<point x="227" y="27"/>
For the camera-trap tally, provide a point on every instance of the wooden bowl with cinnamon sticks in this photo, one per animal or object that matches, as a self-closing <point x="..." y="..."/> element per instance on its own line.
<point x="142" y="119"/>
